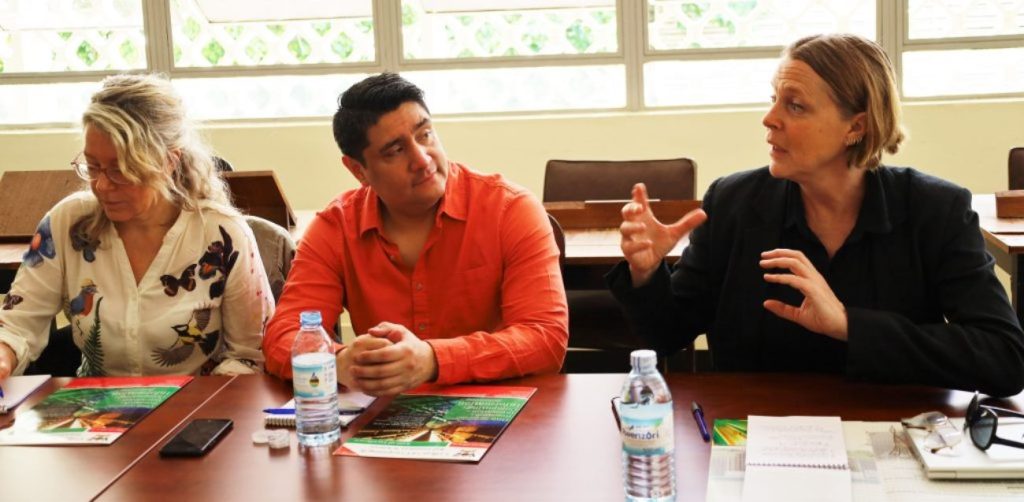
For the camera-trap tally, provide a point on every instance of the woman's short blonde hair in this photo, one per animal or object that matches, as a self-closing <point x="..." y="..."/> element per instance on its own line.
<point x="146" y="121"/>
<point x="860" y="78"/>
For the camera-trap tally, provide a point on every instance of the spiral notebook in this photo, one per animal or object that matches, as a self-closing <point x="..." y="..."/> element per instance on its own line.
<point x="16" y="389"/>
<point x="796" y="459"/>
<point x="350" y="405"/>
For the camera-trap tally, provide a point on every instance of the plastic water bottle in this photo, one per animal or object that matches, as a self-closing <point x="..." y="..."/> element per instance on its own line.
<point x="315" y="382"/>
<point x="648" y="442"/>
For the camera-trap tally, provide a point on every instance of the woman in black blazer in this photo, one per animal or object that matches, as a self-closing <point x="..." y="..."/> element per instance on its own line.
<point x="824" y="260"/>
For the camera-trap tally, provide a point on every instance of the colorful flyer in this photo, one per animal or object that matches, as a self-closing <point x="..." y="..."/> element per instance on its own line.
<point x="456" y="424"/>
<point x="92" y="411"/>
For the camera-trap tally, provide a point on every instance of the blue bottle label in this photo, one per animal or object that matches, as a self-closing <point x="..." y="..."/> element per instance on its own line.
<point x="314" y="375"/>
<point x="647" y="430"/>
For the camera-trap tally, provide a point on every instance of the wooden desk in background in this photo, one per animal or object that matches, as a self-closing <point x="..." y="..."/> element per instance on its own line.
<point x="10" y="255"/>
<point x="82" y="472"/>
<point x="591" y="228"/>
<point x="564" y="444"/>
<point x="1004" y="239"/>
<point x="593" y="241"/>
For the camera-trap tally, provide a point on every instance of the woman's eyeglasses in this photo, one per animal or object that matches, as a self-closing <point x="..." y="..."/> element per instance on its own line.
<point x="89" y="172"/>
<point x="983" y="421"/>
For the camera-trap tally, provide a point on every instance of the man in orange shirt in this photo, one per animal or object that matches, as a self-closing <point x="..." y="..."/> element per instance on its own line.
<point x="449" y="275"/>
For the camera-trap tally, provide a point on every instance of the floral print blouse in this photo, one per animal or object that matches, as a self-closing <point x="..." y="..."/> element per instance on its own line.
<point x="199" y="309"/>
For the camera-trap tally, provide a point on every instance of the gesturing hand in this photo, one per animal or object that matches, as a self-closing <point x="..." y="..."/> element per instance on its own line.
<point x="820" y="312"/>
<point x="398" y="361"/>
<point x="645" y="240"/>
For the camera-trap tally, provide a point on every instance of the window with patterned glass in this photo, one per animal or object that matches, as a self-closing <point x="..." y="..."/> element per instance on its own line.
<point x="275" y="96"/>
<point x="522" y="89"/>
<point x="689" y="24"/>
<point x="224" y="33"/>
<point x="708" y="82"/>
<point x="61" y="102"/>
<point x="451" y="29"/>
<point x="964" y="18"/>
<point x="963" y="72"/>
<point x="71" y="35"/>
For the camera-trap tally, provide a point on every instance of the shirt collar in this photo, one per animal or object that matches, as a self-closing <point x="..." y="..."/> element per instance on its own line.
<point x="874" y="211"/>
<point x="453" y="203"/>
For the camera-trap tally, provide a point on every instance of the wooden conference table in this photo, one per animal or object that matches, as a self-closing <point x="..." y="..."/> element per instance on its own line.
<point x="563" y="445"/>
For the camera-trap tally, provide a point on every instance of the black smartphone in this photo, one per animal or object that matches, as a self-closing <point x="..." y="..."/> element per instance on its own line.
<point x="197" y="438"/>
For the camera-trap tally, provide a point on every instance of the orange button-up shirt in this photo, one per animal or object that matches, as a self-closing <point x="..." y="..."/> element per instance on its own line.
<point x="486" y="292"/>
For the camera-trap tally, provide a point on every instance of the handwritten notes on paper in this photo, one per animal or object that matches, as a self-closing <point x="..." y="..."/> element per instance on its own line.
<point x="796" y="459"/>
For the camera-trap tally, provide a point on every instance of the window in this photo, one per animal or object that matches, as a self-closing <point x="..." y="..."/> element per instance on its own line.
<point x="680" y="32"/>
<point x="218" y="33"/>
<point x="71" y="36"/>
<point x="688" y="24"/>
<point x="257" y="59"/>
<point x="447" y="29"/>
<point x="963" y="47"/>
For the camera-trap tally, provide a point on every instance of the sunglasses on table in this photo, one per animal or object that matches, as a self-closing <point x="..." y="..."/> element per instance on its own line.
<point x="983" y="422"/>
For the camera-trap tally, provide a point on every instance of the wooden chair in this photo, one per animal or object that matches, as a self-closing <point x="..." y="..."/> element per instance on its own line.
<point x="569" y="180"/>
<point x="559" y="240"/>
<point x="600" y="339"/>
<point x="1016" y="168"/>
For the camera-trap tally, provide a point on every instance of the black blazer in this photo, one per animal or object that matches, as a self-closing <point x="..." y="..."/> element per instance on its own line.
<point x="943" y="318"/>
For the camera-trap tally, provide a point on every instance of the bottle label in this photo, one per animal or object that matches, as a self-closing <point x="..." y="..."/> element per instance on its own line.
<point x="314" y="375"/>
<point x="647" y="430"/>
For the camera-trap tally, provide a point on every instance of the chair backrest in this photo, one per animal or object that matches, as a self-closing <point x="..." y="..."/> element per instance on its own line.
<point x="276" y="250"/>
<point x="575" y="180"/>
<point x="559" y="239"/>
<point x="1017" y="168"/>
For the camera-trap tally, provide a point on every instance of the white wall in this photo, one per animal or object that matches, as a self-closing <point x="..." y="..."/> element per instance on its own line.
<point x="964" y="142"/>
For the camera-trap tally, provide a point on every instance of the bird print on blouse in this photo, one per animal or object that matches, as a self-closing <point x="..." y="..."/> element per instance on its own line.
<point x="85" y="303"/>
<point x="189" y="335"/>
<point x="81" y="305"/>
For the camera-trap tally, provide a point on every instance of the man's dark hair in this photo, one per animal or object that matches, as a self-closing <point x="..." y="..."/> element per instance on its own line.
<point x="363" y="104"/>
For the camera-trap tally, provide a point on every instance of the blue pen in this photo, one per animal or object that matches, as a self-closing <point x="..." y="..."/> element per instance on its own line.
<point x="1" y="392"/>
<point x="291" y="411"/>
<point x="698" y="415"/>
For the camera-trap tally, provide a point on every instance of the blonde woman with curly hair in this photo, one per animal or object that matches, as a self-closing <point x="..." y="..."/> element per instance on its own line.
<point x="155" y="270"/>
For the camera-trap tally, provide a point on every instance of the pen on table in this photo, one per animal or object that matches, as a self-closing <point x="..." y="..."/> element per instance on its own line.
<point x="291" y="411"/>
<point x="698" y="415"/>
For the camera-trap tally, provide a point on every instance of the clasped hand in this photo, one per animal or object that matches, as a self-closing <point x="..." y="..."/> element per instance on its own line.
<point x="387" y="360"/>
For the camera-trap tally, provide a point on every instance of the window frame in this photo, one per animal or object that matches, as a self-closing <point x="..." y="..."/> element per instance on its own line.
<point x="633" y="52"/>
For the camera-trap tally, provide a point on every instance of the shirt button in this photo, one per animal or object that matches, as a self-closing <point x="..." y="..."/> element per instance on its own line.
<point x="422" y="326"/>
<point x="419" y="286"/>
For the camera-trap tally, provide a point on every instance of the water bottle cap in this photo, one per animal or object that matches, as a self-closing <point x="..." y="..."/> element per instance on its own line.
<point x="643" y="359"/>
<point x="310" y="318"/>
